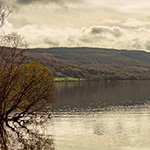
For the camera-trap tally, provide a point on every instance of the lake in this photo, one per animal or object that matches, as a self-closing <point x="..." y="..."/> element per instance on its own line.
<point x="101" y="116"/>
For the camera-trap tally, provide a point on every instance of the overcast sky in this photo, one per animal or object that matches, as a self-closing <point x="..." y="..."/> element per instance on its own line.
<point x="122" y="24"/>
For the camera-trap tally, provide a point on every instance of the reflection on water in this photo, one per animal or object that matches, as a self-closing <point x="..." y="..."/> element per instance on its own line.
<point x="114" y="129"/>
<point x="27" y="133"/>
<point x="97" y="94"/>
<point x="101" y="116"/>
<point x="90" y="116"/>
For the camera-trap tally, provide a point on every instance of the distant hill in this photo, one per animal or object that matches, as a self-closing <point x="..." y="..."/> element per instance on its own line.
<point x="119" y="62"/>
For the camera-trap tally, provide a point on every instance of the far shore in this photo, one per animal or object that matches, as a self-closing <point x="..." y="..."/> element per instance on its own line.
<point x="71" y="79"/>
<point x="68" y="79"/>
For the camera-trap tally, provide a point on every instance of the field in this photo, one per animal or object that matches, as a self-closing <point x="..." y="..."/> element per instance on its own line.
<point x="67" y="79"/>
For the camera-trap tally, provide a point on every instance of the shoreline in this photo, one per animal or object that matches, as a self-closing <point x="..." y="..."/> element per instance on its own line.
<point x="84" y="80"/>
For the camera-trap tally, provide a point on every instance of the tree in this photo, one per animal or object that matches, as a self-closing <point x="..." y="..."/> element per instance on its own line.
<point x="4" y="13"/>
<point x="24" y="89"/>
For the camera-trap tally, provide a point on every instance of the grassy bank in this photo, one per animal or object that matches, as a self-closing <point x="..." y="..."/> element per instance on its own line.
<point x="68" y="79"/>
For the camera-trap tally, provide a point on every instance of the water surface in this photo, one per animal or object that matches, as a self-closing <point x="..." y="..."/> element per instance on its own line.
<point x="101" y="116"/>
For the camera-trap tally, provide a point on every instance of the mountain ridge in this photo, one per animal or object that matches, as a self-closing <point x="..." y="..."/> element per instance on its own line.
<point x="133" y="62"/>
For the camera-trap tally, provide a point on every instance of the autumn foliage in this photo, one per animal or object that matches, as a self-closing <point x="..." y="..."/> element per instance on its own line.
<point x="24" y="89"/>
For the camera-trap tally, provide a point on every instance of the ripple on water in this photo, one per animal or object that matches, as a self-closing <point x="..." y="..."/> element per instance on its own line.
<point x="114" y="128"/>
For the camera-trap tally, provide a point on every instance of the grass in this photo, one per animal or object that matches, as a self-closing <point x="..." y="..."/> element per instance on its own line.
<point x="67" y="79"/>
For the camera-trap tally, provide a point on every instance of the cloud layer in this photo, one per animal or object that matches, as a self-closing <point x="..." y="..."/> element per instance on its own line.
<point x="95" y="23"/>
<point x="46" y="1"/>
<point x="121" y="35"/>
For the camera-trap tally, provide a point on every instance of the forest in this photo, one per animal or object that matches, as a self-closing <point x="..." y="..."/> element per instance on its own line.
<point x="93" y="63"/>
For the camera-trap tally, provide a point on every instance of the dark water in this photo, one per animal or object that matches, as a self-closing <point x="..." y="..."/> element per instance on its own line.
<point x="97" y="95"/>
<point x="101" y="116"/>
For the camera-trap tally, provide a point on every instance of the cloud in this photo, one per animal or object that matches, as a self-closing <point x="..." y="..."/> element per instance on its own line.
<point x="20" y="4"/>
<point x="147" y="45"/>
<point x="8" y="2"/>
<point x="26" y="2"/>
<point x="116" y="31"/>
<point x="94" y="23"/>
<point x="61" y="2"/>
<point x="130" y="23"/>
<point x="94" y="36"/>
<point x="6" y="28"/>
<point x="116" y="34"/>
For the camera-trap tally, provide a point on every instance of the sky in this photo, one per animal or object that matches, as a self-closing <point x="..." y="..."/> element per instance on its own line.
<point x="120" y="24"/>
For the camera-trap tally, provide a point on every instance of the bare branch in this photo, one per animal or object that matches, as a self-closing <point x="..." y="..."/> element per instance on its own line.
<point x="4" y="13"/>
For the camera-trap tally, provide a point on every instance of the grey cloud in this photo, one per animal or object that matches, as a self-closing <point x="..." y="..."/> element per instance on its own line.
<point x="47" y="1"/>
<point x="36" y="1"/>
<point x="51" y="42"/>
<point x="136" y="44"/>
<point x="88" y="39"/>
<point x="26" y="1"/>
<point x="17" y="4"/>
<point x="10" y="3"/>
<point x="116" y="31"/>
<point x="147" y="45"/>
<point x="96" y="30"/>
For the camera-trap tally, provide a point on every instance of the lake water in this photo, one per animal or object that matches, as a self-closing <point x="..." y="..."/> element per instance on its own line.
<point x="101" y="116"/>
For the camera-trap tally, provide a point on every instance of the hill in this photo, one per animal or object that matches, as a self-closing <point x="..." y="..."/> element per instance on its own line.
<point x="94" y="62"/>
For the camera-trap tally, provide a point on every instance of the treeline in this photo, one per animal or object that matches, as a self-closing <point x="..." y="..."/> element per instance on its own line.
<point x="59" y="69"/>
<point x="96" y="63"/>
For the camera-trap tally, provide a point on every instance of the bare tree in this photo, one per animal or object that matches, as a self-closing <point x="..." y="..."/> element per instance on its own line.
<point x="24" y="90"/>
<point x="4" y="13"/>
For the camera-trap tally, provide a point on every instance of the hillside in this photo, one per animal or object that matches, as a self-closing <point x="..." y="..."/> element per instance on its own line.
<point x="86" y="62"/>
